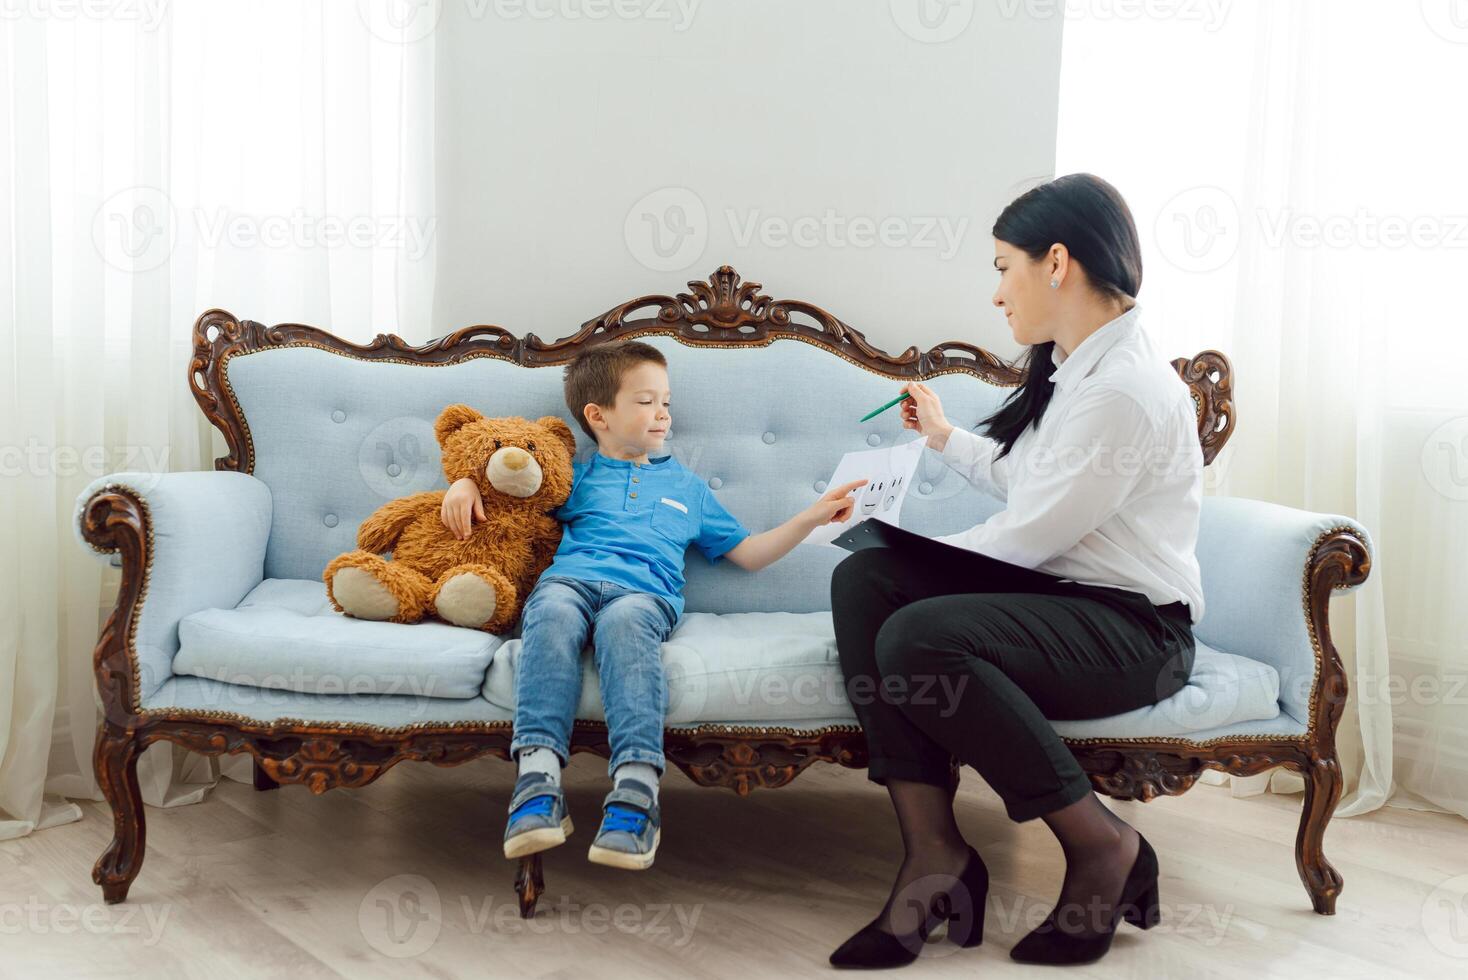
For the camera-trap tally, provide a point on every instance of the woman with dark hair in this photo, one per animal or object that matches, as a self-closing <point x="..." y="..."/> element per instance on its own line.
<point x="1077" y="600"/>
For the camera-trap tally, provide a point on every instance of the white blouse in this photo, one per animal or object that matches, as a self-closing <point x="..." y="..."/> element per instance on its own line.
<point x="1107" y="489"/>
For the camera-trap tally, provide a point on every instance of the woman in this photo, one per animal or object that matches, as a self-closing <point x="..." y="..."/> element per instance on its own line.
<point x="1075" y="601"/>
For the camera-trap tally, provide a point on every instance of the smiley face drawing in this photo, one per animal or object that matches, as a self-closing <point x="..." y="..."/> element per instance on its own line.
<point x="871" y="497"/>
<point x="894" y="486"/>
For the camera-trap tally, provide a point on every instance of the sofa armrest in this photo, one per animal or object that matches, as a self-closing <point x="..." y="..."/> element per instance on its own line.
<point x="1269" y="573"/>
<point x="187" y="541"/>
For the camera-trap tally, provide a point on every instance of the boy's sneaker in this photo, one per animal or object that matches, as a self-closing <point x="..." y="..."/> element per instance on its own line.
<point x="630" y="828"/>
<point x="538" y="817"/>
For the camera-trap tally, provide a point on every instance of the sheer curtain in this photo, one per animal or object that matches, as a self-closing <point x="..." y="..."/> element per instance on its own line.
<point x="272" y="158"/>
<point x="1302" y="205"/>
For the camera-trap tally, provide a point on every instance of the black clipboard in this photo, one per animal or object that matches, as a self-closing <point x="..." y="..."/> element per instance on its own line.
<point x="872" y="533"/>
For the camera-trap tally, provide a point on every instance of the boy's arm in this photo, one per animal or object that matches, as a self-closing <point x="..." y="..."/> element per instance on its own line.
<point x="461" y="505"/>
<point x="759" y="550"/>
<point x="767" y="547"/>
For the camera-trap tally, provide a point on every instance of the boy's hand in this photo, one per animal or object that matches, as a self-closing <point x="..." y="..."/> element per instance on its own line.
<point x="462" y="505"/>
<point x="835" y="506"/>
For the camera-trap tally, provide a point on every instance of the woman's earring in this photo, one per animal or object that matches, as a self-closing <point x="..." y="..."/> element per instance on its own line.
<point x="1054" y="283"/>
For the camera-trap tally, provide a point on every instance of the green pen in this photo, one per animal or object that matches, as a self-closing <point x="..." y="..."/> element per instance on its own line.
<point x="879" y="411"/>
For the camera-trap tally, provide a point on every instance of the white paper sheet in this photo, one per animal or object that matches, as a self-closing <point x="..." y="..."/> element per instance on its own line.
<point x="888" y="473"/>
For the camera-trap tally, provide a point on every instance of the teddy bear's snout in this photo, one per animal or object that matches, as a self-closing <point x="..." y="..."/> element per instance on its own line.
<point x="513" y="471"/>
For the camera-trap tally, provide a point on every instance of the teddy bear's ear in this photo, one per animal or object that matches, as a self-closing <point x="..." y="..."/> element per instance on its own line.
<point x="561" y="430"/>
<point x="452" y="419"/>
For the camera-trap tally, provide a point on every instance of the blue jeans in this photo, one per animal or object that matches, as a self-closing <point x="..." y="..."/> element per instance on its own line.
<point x="629" y="629"/>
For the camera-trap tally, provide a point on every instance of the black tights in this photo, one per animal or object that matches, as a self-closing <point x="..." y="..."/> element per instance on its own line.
<point x="950" y="654"/>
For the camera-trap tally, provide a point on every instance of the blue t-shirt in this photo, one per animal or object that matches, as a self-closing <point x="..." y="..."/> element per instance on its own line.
<point x="630" y="524"/>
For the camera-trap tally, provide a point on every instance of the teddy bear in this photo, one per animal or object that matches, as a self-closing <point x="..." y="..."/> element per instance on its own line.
<point x="523" y="471"/>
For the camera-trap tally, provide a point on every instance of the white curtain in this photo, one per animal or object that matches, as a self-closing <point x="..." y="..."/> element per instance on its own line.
<point x="1298" y="181"/>
<point x="272" y="158"/>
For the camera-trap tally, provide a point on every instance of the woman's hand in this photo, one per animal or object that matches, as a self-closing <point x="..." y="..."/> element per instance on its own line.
<point x="923" y="411"/>
<point x="835" y="506"/>
<point x="462" y="505"/>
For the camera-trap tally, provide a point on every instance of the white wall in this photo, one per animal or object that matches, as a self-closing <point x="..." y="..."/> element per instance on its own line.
<point x="564" y="143"/>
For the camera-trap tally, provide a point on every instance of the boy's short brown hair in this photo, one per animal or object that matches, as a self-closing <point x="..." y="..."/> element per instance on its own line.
<point x="594" y="376"/>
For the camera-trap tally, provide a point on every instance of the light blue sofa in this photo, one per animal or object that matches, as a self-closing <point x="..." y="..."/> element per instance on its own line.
<point x="223" y="639"/>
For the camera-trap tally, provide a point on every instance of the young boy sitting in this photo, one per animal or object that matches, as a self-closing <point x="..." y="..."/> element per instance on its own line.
<point x="618" y="575"/>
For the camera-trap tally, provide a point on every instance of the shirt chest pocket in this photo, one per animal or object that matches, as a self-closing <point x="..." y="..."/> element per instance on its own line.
<point x="671" y="519"/>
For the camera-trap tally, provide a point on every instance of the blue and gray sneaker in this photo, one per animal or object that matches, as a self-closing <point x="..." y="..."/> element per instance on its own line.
<point x="538" y="817"/>
<point x="630" y="828"/>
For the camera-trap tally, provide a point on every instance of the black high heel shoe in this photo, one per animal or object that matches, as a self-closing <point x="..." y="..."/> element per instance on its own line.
<point x="962" y="908"/>
<point x="1138" y="905"/>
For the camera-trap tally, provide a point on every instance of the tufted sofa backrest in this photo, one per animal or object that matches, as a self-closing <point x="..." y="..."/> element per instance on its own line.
<point x="762" y="410"/>
<point x="335" y="437"/>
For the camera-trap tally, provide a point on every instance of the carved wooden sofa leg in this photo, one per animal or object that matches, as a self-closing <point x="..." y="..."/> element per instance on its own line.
<point x="1322" y="792"/>
<point x="115" y="761"/>
<point x="529" y="884"/>
<point x="262" y="778"/>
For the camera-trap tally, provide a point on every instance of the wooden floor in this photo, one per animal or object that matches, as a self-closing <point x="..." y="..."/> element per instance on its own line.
<point x="405" y="878"/>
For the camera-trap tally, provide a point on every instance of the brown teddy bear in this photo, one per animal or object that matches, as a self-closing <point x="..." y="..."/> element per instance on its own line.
<point x="524" y="472"/>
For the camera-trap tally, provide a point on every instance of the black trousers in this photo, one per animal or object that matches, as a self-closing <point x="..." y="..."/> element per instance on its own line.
<point x="949" y="653"/>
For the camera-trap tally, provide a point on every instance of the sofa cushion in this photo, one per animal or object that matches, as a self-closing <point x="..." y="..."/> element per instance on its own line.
<point x="1223" y="689"/>
<point x="285" y="635"/>
<point x="767" y="666"/>
<point x="756" y="668"/>
<point x="751" y="668"/>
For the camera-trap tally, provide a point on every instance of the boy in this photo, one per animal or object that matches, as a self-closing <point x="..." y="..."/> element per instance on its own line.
<point x="618" y="575"/>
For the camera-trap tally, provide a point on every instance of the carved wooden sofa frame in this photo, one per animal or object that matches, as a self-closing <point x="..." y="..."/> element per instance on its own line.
<point x="720" y="312"/>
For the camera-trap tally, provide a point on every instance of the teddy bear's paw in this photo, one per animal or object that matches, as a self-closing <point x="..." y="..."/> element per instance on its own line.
<point x="466" y="599"/>
<point x="362" y="595"/>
